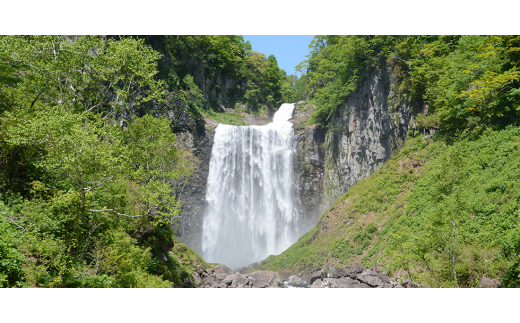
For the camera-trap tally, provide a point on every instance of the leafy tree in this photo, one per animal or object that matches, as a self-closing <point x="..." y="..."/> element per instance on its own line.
<point x="157" y="164"/>
<point x="96" y="182"/>
<point x="80" y="73"/>
<point x="494" y="93"/>
<point x="334" y="70"/>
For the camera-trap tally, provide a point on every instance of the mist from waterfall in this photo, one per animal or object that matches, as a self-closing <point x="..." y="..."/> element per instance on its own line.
<point x="250" y="193"/>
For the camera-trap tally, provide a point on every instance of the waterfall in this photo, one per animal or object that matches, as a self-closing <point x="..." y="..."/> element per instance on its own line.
<point x="250" y="212"/>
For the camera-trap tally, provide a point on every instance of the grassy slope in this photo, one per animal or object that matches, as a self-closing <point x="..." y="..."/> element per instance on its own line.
<point x="234" y="118"/>
<point x="187" y="258"/>
<point x="399" y="209"/>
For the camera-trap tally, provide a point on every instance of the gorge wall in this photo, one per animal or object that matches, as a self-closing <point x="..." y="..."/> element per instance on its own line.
<point x="361" y="137"/>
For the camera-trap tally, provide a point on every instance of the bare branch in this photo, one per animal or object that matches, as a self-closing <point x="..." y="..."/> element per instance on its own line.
<point x="128" y="216"/>
<point x="98" y="184"/>
<point x="15" y="224"/>
<point x="402" y="60"/>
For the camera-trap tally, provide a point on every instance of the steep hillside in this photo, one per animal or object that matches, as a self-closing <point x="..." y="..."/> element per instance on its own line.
<point x="402" y="216"/>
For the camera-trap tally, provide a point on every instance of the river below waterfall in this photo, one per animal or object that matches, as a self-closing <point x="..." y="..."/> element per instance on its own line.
<point x="250" y="195"/>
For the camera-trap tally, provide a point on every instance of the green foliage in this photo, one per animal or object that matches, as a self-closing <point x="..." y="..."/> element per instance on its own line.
<point x="193" y="92"/>
<point x="11" y="261"/>
<point x="489" y="84"/>
<point x="67" y="72"/>
<point x="371" y="228"/>
<point x="341" y="249"/>
<point x="127" y="263"/>
<point x="264" y="80"/>
<point x="294" y="88"/>
<point x="466" y="83"/>
<point x="94" y="202"/>
<point x="257" y="80"/>
<point x="157" y="162"/>
<point x="335" y="68"/>
<point x="415" y="206"/>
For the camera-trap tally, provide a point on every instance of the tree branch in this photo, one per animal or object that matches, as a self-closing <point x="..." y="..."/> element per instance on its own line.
<point x="15" y="224"/>
<point x="90" y="188"/>
<point x="33" y="102"/>
<point x="128" y="216"/>
<point x="402" y="60"/>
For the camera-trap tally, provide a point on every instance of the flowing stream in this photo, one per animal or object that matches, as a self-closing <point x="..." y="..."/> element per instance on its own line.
<point x="250" y="193"/>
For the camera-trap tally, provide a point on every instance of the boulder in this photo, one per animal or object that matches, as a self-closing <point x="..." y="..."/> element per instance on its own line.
<point x="397" y="286"/>
<point x="343" y="282"/>
<point x="265" y="279"/>
<point x="360" y="285"/>
<point x="318" y="283"/>
<point x="239" y="279"/>
<point x="210" y="282"/>
<point x="355" y="270"/>
<point x="221" y="272"/>
<point x="296" y="281"/>
<point x="306" y="279"/>
<point x="335" y="272"/>
<point x="200" y="269"/>
<point x="222" y="285"/>
<point x="229" y="279"/>
<point x="319" y="274"/>
<point x="408" y="283"/>
<point x="242" y="286"/>
<point x="374" y="279"/>
<point x="197" y="279"/>
<point x="330" y="283"/>
<point x="336" y="282"/>
<point x="485" y="282"/>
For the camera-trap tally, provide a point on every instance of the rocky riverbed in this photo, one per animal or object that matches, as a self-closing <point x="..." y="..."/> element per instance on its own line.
<point x="356" y="276"/>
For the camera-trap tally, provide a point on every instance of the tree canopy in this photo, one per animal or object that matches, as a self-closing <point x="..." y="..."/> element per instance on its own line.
<point x="95" y="201"/>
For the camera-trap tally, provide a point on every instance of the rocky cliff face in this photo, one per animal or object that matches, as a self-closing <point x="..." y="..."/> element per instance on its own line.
<point x="193" y="196"/>
<point x="219" y="88"/>
<point x="362" y="136"/>
<point x="309" y="166"/>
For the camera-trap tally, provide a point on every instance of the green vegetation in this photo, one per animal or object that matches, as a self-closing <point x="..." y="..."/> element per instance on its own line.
<point x="83" y="201"/>
<point x="209" y="72"/>
<point x="402" y="216"/>
<point x="90" y="170"/>
<point x="468" y="82"/>
<point x="443" y="210"/>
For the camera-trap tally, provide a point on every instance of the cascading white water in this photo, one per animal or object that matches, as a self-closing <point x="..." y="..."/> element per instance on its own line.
<point x="250" y="213"/>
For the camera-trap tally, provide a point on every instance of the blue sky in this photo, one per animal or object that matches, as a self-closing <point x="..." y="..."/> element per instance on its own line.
<point x="288" y="50"/>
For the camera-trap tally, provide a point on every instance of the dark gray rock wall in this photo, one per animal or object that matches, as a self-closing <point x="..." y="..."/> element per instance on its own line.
<point x="193" y="196"/>
<point x="309" y="167"/>
<point x="361" y="137"/>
